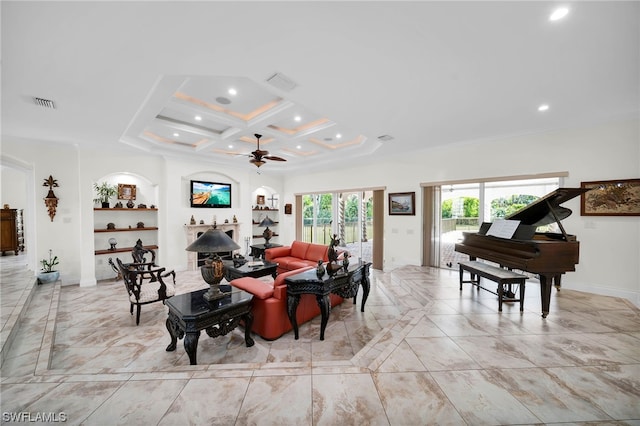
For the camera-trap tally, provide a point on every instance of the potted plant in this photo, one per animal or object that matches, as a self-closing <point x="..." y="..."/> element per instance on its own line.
<point x="49" y="274"/>
<point x="104" y="192"/>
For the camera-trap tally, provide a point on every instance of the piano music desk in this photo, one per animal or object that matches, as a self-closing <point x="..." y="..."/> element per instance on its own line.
<point x="495" y="274"/>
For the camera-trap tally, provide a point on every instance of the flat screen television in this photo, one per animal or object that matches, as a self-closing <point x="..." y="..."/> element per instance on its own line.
<point x="210" y="194"/>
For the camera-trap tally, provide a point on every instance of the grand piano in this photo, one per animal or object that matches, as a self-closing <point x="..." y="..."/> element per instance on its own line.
<point x="547" y="254"/>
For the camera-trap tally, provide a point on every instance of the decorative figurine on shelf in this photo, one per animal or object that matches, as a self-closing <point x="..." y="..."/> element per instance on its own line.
<point x="111" y="225"/>
<point x="193" y="220"/>
<point x="320" y="269"/>
<point x="130" y="204"/>
<point x="142" y="206"/>
<point x="140" y="225"/>
<point x="235" y="219"/>
<point x="201" y="221"/>
<point x="226" y="221"/>
<point x="152" y="206"/>
<point x="118" y="205"/>
<point x="112" y="243"/>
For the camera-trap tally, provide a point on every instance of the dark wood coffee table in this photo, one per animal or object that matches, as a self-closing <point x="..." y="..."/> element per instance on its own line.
<point x="344" y="284"/>
<point x="189" y="313"/>
<point x="267" y="268"/>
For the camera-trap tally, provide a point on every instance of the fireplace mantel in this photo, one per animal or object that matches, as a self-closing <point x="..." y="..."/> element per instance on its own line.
<point x="192" y="231"/>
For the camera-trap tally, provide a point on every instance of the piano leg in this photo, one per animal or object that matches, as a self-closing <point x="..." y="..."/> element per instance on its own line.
<point x="546" y="282"/>
<point x="556" y="281"/>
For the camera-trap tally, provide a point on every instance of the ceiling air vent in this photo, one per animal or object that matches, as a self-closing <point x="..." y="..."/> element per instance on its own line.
<point x="385" y="138"/>
<point x="281" y="82"/>
<point x="47" y="103"/>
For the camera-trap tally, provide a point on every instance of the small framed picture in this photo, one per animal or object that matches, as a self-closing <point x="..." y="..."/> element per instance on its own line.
<point x="402" y="203"/>
<point x="287" y="209"/>
<point x="260" y="200"/>
<point x="126" y="191"/>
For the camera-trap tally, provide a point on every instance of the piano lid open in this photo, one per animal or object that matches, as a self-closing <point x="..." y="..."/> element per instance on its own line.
<point x="547" y="209"/>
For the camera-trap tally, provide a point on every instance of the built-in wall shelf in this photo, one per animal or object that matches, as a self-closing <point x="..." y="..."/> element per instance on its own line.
<point x="125" y="208"/>
<point x="123" y="249"/>
<point x="146" y="228"/>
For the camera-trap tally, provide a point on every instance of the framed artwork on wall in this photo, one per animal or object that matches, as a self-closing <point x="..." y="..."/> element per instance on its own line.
<point x="611" y="198"/>
<point x="402" y="203"/>
<point x="287" y="209"/>
<point x="126" y="191"/>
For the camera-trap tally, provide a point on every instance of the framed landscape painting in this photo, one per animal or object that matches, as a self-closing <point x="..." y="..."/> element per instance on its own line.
<point x="402" y="203"/>
<point x="611" y="198"/>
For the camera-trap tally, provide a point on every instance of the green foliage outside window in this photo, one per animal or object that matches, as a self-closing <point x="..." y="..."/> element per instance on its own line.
<point x="447" y="206"/>
<point x="503" y="207"/>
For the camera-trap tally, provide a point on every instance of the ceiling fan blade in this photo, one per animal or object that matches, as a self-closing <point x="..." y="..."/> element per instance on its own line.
<point x="274" y="158"/>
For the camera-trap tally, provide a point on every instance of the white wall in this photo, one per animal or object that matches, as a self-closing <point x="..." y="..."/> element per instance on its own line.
<point x="610" y="246"/>
<point x="14" y="190"/>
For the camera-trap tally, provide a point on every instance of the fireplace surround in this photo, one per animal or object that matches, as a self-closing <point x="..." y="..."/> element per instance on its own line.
<point x="192" y="232"/>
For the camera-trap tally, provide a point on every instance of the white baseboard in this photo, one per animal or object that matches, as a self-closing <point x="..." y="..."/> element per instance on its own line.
<point x="631" y="296"/>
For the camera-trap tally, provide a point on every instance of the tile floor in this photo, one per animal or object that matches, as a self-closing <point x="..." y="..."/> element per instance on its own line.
<point x="422" y="353"/>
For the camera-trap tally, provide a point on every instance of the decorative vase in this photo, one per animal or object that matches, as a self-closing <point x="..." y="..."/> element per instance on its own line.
<point x="130" y="204"/>
<point x="48" y="277"/>
<point x="320" y="269"/>
<point x="105" y="204"/>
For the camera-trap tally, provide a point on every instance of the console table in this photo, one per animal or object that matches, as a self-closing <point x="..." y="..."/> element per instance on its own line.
<point x="189" y="313"/>
<point x="344" y="284"/>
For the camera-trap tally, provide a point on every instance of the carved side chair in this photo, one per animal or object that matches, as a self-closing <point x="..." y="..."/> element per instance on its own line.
<point x="144" y="286"/>
<point x="138" y="252"/>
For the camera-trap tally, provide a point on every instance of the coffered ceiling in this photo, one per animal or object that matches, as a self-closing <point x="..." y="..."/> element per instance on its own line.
<point x="325" y="83"/>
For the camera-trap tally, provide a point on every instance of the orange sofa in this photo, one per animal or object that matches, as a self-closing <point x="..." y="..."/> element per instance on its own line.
<point x="298" y="255"/>
<point x="269" y="305"/>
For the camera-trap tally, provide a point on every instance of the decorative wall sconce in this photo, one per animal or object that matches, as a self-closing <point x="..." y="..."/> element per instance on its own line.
<point x="51" y="201"/>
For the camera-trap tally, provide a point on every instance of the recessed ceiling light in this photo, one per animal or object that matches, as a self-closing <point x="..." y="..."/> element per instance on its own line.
<point x="559" y="13"/>
<point x="299" y="146"/>
<point x="543" y="107"/>
<point x="175" y="135"/>
<point x="232" y="91"/>
<point x="230" y="146"/>
<point x="338" y="135"/>
<point x="198" y="118"/>
<point x="297" y="118"/>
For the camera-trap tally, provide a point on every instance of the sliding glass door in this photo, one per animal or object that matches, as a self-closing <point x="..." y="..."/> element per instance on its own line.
<point x="463" y="207"/>
<point x="317" y="217"/>
<point x="347" y="214"/>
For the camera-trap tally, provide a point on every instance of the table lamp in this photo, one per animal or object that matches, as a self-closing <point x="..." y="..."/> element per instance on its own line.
<point x="213" y="241"/>
<point x="268" y="233"/>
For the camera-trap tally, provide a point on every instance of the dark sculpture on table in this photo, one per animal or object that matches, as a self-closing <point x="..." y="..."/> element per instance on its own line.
<point x="332" y="254"/>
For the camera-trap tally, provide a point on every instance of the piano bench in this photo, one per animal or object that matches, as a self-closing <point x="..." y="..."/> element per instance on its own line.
<point x="495" y="274"/>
